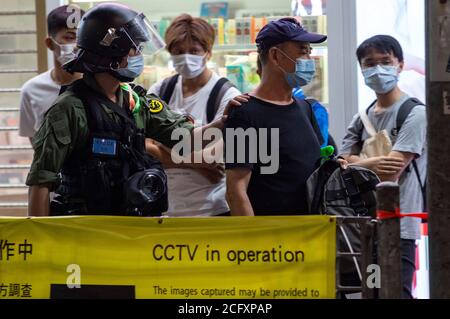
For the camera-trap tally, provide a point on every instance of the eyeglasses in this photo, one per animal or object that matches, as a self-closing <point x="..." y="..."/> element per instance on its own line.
<point x="372" y="63"/>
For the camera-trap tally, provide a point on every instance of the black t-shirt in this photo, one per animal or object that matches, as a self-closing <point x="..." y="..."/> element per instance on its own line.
<point x="283" y="192"/>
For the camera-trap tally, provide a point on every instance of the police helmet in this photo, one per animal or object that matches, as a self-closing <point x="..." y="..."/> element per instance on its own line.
<point x="106" y="34"/>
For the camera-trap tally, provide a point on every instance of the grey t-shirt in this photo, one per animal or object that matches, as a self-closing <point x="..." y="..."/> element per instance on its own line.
<point x="411" y="139"/>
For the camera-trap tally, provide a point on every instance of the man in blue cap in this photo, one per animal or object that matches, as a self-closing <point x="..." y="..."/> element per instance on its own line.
<point x="284" y="49"/>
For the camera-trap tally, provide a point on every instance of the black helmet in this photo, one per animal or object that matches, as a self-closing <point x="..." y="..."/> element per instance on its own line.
<point x="106" y="34"/>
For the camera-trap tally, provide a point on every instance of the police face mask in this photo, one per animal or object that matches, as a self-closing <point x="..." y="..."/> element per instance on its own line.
<point x="381" y="78"/>
<point x="189" y="66"/>
<point x="305" y="70"/>
<point x="133" y="70"/>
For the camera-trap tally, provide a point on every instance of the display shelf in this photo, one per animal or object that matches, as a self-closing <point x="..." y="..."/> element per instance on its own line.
<point x="253" y="47"/>
<point x="234" y="47"/>
<point x="234" y="54"/>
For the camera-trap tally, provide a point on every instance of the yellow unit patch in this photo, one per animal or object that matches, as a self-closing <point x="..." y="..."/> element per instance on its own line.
<point x="155" y="106"/>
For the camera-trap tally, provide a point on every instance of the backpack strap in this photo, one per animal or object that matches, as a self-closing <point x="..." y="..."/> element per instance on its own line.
<point x="324" y="173"/>
<point x="371" y="106"/>
<point x="423" y="186"/>
<point x="63" y="89"/>
<point x="354" y="193"/>
<point x="167" y="88"/>
<point x="404" y="112"/>
<point x="311" y="117"/>
<point x="215" y="97"/>
<point x="402" y="115"/>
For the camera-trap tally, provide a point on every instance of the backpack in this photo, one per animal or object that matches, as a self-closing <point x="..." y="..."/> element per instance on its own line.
<point x="318" y="129"/>
<point x="320" y="113"/>
<point x="334" y="191"/>
<point x="215" y="97"/>
<point x="306" y="106"/>
<point x="402" y="115"/>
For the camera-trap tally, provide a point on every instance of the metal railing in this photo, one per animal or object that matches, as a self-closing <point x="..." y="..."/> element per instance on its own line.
<point x="13" y="205"/>
<point x="17" y="51"/>
<point x="17" y="71"/>
<point x="9" y="109"/>
<point x="10" y="90"/>
<point x="14" y="166"/>
<point x="17" y="32"/>
<point x="361" y="259"/>
<point x="15" y="147"/>
<point x="17" y="13"/>
<point x="7" y="186"/>
<point x="8" y="128"/>
<point x="380" y="246"/>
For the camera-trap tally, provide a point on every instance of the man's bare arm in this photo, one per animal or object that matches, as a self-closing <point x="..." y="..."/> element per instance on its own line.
<point x="237" y="185"/>
<point x="39" y="200"/>
<point x="388" y="168"/>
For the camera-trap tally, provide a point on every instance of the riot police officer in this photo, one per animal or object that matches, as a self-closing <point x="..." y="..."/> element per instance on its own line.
<point x="90" y="149"/>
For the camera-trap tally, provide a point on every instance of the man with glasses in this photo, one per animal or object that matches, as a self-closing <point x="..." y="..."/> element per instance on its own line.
<point x="381" y="59"/>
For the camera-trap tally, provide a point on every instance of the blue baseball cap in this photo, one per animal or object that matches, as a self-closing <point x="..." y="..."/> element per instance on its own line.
<point x="284" y="30"/>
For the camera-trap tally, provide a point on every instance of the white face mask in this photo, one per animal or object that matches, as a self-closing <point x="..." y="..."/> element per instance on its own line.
<point x="189" y="66"/>
<point x="66" y="52"/>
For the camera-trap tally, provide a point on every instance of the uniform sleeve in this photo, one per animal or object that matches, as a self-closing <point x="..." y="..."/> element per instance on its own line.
<point x="51" y="146"/>
<point x="237" y="151"/>
<point x="351" y="144"/>
<point x="159" y="121"/>
<point x="413" y="134"/>
<point x="27" y="117"/>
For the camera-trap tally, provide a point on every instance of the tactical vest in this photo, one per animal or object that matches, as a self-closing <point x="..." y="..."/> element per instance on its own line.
<point x="112" y="175"/>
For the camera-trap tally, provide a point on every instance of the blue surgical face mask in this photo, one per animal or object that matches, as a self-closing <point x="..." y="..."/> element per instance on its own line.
<point x="133" y="70"/>
<point x="381" y="78"/>
<point x="305" y="69"/>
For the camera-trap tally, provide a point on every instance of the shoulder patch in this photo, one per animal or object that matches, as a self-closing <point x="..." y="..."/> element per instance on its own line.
<point x="155" y="105"/>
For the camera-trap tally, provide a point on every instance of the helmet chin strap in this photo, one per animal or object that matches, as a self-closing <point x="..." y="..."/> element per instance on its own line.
<point x="120" y="77"/>
<point x="88" y="62"/>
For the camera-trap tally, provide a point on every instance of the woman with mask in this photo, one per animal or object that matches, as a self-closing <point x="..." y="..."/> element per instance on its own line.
<point x="198" y="188"/>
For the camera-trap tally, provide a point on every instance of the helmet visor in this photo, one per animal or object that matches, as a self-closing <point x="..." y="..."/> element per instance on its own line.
<point x="146" y="40"/>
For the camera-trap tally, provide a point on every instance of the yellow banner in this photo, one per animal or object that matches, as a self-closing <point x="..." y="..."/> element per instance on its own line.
<point x="168" y="258"/>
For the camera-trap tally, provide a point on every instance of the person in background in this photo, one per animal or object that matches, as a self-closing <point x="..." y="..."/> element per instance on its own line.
<point x="194" y="189"/>
<point x="39" y="93"/>
<point x="381" y="59"/>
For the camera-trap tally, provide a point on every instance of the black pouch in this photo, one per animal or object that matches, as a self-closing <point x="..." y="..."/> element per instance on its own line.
<point x="60" y="207"/>
<point x="97" y="187"/>
<point x="145" y="193"/>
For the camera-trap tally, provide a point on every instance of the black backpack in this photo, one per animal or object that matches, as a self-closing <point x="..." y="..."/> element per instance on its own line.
<point x="331" y="190"/>
<point x="402" y="115"/>
<point x="215" y="97"/>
